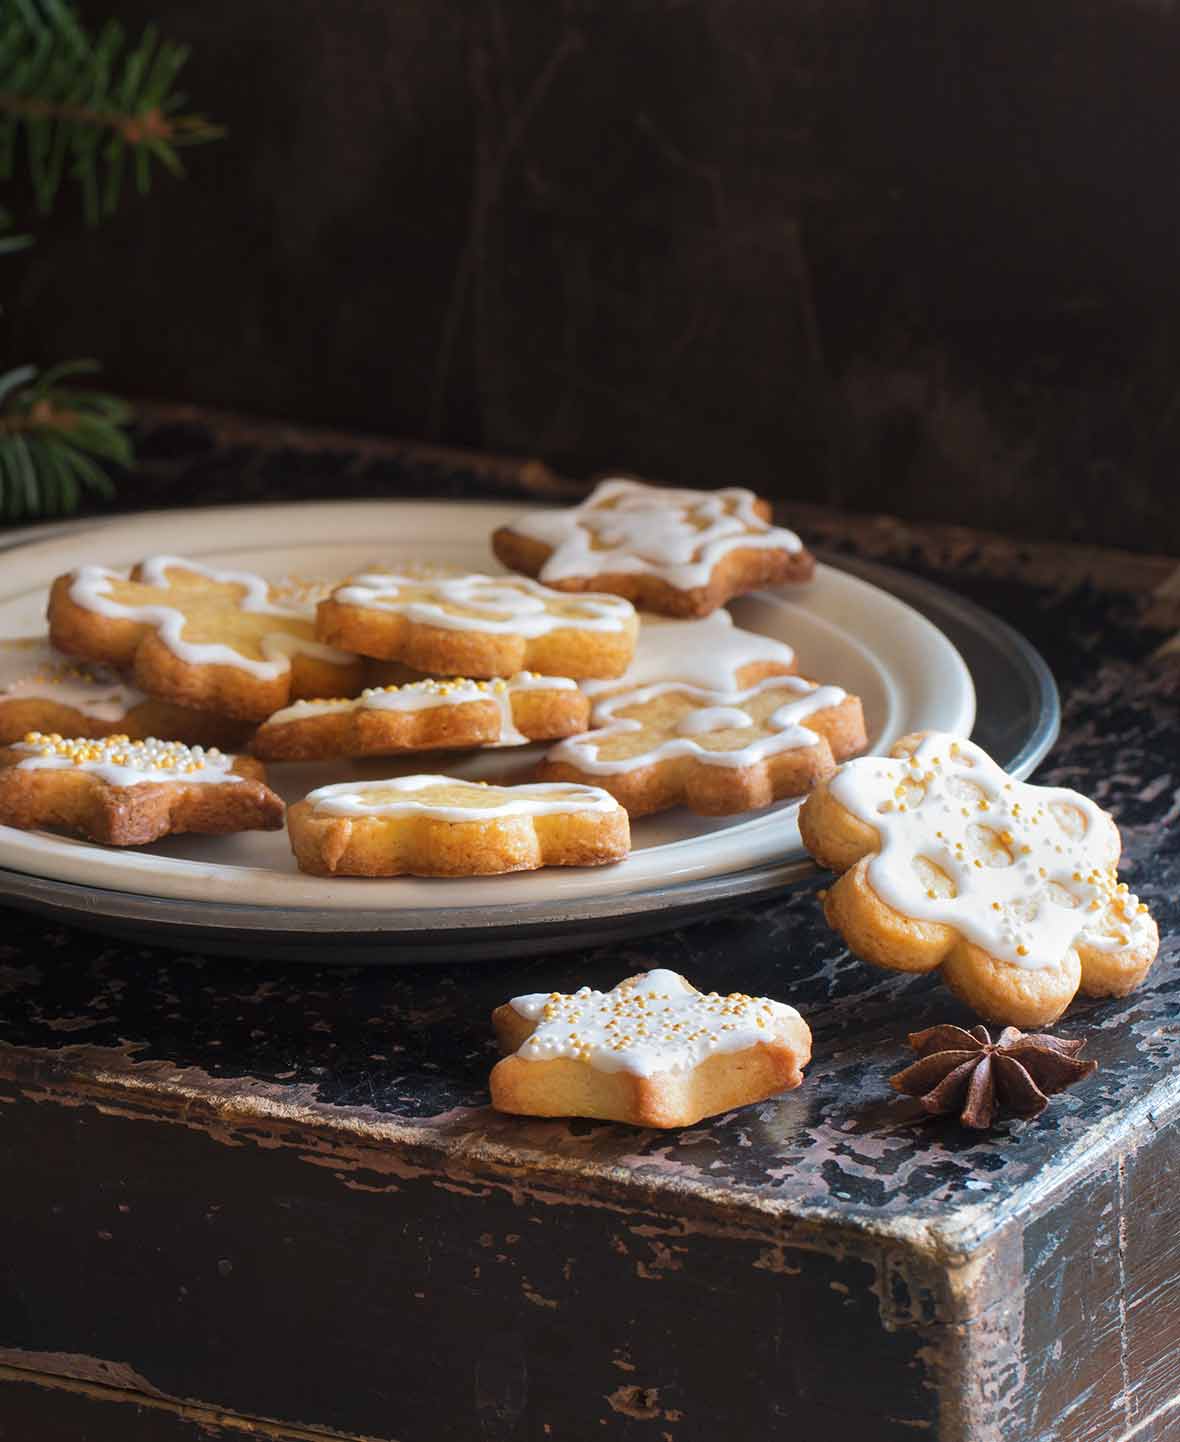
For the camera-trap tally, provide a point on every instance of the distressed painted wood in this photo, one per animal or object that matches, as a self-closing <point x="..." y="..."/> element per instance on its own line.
<point x="243" y="1196"/>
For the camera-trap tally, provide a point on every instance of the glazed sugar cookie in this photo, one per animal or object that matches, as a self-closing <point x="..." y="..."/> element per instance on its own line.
<point x="949" y="862"/>
<point x="654" y="1052"/>
<point x="212" y="640"/>
<point x="479" y="626"/>
<point x="426" y="716"/>
<point x="125" y="793"/>
<point x="680" y="552"/>
<point x="710" y="652"/>
<point x="42" y="690"/>
<point x="440" y="826"/>
<point x="716" y="752"/>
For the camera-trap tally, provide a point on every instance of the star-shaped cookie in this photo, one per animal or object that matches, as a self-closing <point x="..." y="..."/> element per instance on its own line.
<point x="452" y="714"/>
<point x="654" y="1052"/>
<point x="479" y="626"/>
<point x="125" y="793"/>
<point x="708" y="651"/>
<point x="679" y="552"/>
<point x="214" y="640"/>
<point x="43" y="690"/>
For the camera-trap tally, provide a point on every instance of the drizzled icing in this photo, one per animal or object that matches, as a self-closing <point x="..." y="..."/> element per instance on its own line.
<point x="445" y="798"/>
<point x="756" y="722"/>
<point x="232" y="602"/>
<point x="120" y="761"/>
<point x="625" y="526"/>
<point x="500" y="605"/>
<point x="708" y="653"/>
<point x="653" y="1023"/>
<point x="425" y="695"/>
<point x="1024" y="872"/>
<point x="712" y="718"/>
<point x="30" y="669"/>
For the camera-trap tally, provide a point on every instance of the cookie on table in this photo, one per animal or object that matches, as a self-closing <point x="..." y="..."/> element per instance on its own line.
<point x="654" y="1052"/>
<point x="441" y="826"/>
<point x="126" y="793"/>
<point x="212" y="640"/>
<point x="426" y="716"/>
<point x="43" y="690"/>
<point x="709" y="652"/>
<point x="679" y="552"/>
<point x="479" y="626"/>
<point x="948" y="862"/>
<point x="716" y="752"/>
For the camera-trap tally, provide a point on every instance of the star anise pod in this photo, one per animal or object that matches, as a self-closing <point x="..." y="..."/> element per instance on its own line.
<point x="966" y="1072"/>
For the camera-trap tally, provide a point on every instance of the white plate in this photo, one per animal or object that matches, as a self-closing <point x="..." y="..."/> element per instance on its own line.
<point x="845" y="630"/>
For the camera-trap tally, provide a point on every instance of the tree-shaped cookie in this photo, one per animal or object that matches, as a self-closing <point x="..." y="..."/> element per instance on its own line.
<point x="717" y="752"/>
<point x="479" y="626"/>
<point x="211" y="639"/>
<point x="680" y="552"/>
<point x="949" y="862"/>
<point x="654" y="1051"/>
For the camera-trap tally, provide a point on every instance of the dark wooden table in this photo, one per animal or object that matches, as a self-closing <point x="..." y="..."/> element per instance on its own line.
<point x="247" y="1198"/>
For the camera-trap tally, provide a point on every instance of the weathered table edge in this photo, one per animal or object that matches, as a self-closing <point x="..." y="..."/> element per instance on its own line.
<point x="365" y="1139"/>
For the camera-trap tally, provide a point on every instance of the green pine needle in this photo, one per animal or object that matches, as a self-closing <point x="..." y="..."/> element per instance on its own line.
<point x="53" y="438"/>
<point x="80" y="101"/>
<point x="87" y="107"/>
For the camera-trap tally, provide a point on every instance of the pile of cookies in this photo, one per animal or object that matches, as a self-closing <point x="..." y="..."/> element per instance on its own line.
<point x="159" y="694"/>
<point x="680" y="707"/>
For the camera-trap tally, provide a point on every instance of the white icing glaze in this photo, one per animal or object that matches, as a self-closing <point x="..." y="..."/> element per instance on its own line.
<point x="654" y="1023"/>
<point x="1002" y="846"/>
<point x="506" y="605"/>
<point x="121" y="762"/>
<point x="91" y="589"/>
<point x="426" y="695"/>
<point x="397" y="797"/>
<point x="711" y="718"/>
<point x="30" y="669"/>
<point x="787" y="722"/>
<point x="708" y="653"/>
<point x="626" y="526"/>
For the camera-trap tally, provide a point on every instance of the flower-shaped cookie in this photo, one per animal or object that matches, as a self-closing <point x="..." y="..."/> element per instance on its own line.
<point x="680" y="552"/>
<point x="654" y="1051"/>
<point x="717" y="752"/>
<point x="949" y="862"/>
<point x="443" y="826"/>
<point x="213" y="640"/>
<point x="479" y="626"/>
<point x="126" y="793"/>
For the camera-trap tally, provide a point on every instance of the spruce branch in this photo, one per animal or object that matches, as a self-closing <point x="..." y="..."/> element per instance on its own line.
<point x="52" y="437"/>
<point x="86" y="102"/>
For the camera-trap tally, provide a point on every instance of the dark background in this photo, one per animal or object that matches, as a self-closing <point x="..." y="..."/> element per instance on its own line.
<point x="913" y="257"/>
